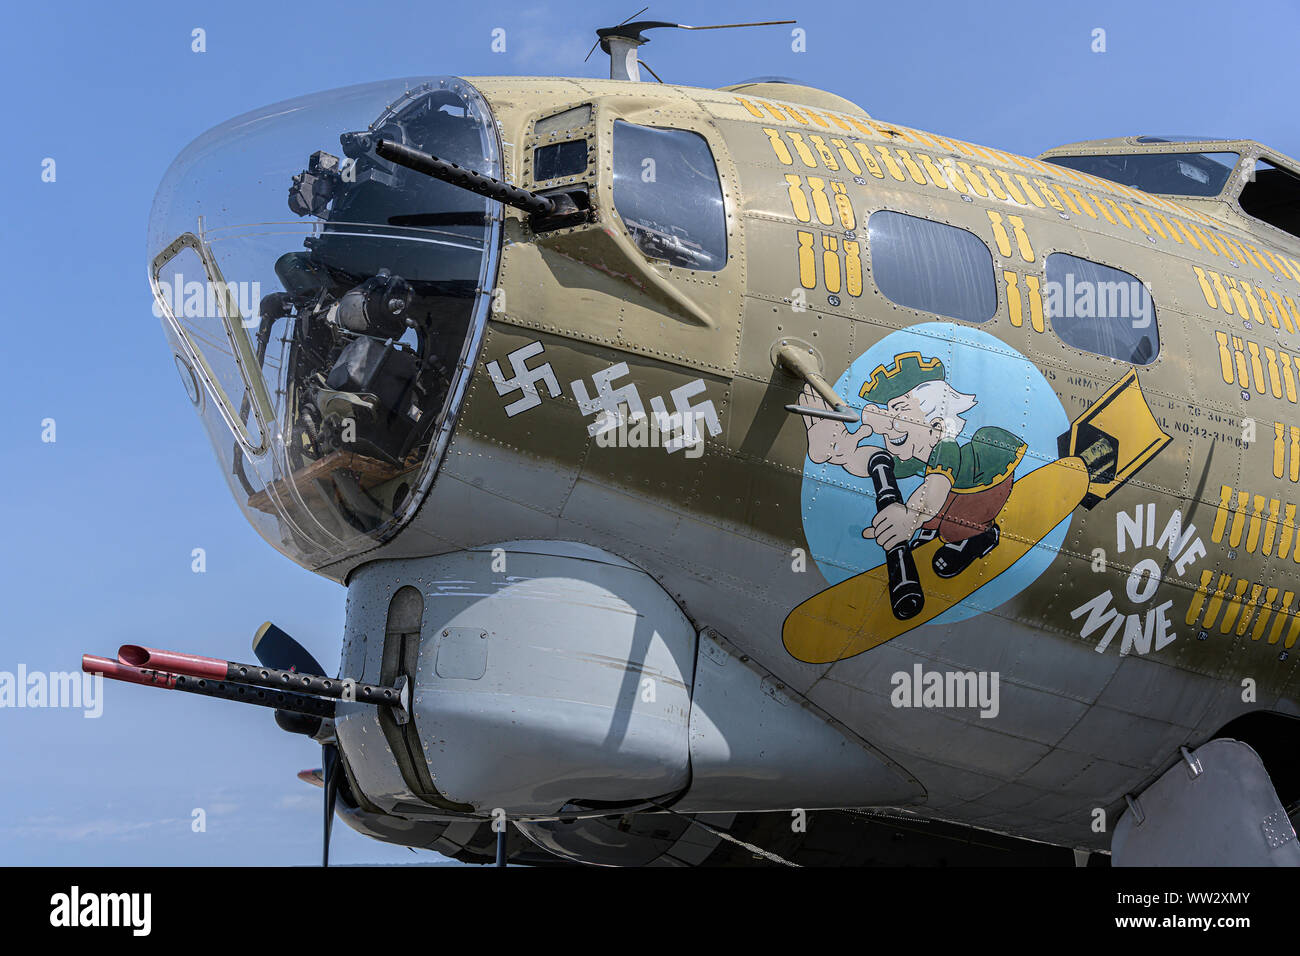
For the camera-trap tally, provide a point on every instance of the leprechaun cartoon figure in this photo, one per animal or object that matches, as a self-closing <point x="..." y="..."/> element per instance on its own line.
<point x="964" y="485"/>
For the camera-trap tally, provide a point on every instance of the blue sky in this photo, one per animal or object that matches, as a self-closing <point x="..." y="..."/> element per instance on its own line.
<point x="99" y="525"/>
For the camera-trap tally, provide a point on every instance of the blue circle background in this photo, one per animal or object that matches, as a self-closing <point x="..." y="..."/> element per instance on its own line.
<point x="1010" y="392"/>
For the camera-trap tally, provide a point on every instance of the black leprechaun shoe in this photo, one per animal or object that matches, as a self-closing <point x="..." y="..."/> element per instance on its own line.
<point x="952" y="559"/>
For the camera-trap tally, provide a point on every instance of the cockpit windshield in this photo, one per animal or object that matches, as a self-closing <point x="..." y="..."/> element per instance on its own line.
<point x="324" y="304"/>
<point x="1170" y="174"/>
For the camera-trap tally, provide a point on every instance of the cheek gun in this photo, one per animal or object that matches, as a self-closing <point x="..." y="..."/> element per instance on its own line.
<point x="905" y="595"/>
<point x="311" y="695"/>
<point x="282" y="700"/>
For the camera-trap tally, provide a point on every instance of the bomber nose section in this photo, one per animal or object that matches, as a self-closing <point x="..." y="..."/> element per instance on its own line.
<point x="325" y="304"/>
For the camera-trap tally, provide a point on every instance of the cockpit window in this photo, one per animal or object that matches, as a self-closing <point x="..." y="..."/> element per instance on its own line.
<point x="1170" y="174"/>
<point x="1101" y="310"/>
<point x="1272" y="194"/>
<point x="329" y="301"/>
<point x="667" y="191"/>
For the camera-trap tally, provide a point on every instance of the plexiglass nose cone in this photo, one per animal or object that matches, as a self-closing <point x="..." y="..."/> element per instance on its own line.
<point x="326" y="303"/>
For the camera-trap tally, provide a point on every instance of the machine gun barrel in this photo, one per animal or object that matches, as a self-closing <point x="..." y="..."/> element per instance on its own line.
<point x="211" y="668"/>
<point x="475" y="182"/>
<point x="225" y="690"/>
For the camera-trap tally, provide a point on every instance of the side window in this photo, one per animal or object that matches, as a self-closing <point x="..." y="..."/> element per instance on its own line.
<point x="667" y="191"/>
<point x="932" y="267"/>
<point x="1272" y="194"/>
<point x="555" y="160"/>
<point x="1101" y="310"/>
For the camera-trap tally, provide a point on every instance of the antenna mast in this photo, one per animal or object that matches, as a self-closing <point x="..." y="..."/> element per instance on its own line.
<point x="622" y="41"/>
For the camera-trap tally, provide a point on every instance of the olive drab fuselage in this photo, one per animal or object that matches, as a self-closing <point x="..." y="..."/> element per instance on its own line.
<point x="1145" y="558"/>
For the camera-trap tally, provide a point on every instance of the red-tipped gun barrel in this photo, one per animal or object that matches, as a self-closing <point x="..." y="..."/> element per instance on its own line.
<point x="114" y="670"/>
<point x="175" y="662"/>
<point x="225" y="690"/>
<point x="210" y="668"/>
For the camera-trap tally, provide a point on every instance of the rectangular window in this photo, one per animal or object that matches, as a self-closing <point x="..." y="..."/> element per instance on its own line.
<point x="667" y="191"/>
<point x="560" y="159"/>
<point x="932" y="267"/>
<point x="575" y="118"/>
<point x="1101" y="310"/>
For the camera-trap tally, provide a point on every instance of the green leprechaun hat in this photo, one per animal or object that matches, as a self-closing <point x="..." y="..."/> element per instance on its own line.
<point x="908" y="371"/>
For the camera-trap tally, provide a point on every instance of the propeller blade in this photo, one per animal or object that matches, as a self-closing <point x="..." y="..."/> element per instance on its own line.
<point x="314" y="777"/>
<point x="304" y="724"/>
<point x="330" y="769"/>
<point x="274" y="648"/>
